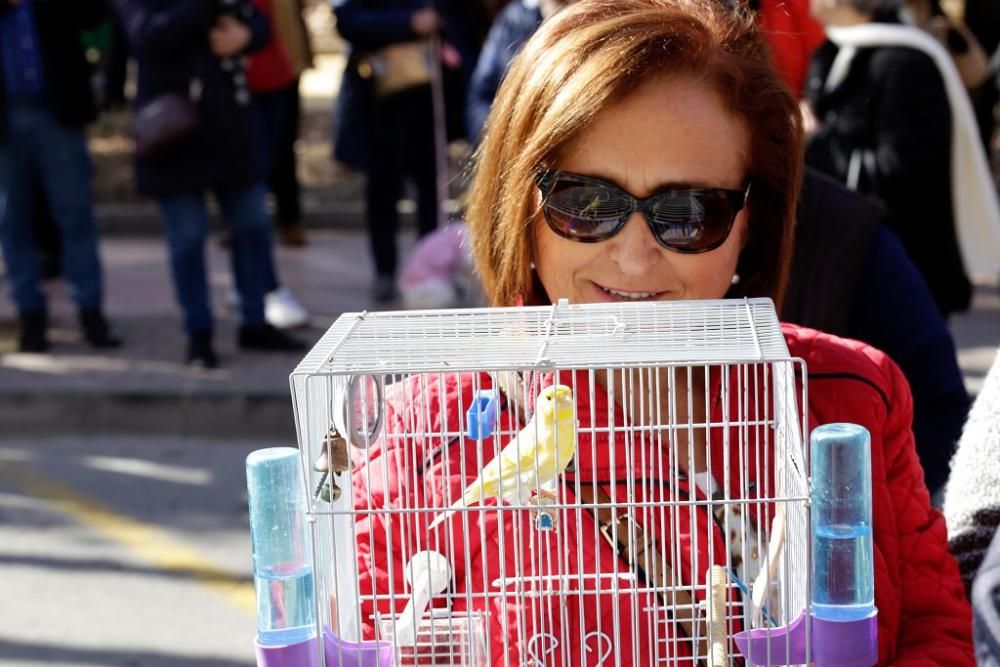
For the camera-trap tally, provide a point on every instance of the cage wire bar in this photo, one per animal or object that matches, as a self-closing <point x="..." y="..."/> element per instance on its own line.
<point x="689" y="416"/>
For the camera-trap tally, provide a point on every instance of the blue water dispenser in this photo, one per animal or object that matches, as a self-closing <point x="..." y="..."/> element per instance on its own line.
<point x="282" y="559"/>
<point x="840" y="627"/>
<point x="843" y="576"/>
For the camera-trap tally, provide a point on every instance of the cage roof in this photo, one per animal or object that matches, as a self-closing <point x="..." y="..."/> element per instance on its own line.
<point x="563" y="335"/>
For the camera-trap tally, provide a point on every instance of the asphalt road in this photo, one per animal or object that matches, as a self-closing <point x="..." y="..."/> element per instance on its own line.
<point x="124" y="552"/>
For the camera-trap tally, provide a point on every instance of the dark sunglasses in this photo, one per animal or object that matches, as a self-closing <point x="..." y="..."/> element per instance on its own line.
<point x="589" y="210"/>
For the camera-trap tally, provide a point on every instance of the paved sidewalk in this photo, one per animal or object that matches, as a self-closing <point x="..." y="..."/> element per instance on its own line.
<point x="145" y="389"/>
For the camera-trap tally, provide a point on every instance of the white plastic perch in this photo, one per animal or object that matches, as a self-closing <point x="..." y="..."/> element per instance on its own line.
<point x="428" y="574"/>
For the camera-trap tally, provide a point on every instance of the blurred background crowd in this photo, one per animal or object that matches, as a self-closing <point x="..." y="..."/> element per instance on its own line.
<point x="201" y="101"/>
<point x="215" y="87"/>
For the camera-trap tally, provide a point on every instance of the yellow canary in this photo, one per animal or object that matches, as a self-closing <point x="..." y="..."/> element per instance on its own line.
<point x="537" y="455"/>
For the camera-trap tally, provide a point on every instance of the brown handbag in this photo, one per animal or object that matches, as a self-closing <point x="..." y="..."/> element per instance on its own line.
<point x="399" y="67"/>
<point x="165" y="123"/>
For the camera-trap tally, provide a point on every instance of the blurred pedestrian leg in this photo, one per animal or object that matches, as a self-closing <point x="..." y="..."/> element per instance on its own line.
<point x="59" y="157"/>
<point x="38" y="144"/>
<point x="274" y="74"/>
<point x="48" y="241"/>
<point x="385" y="112"/>
<point x="284" y="180"/>
<point x="281" y="309"/>
<point x="186" y="221"/>
<point x="273" y="80"/>
<point x="403" y="144"/>
<point x="45" y="102"/>
<point x="279" y="111"/>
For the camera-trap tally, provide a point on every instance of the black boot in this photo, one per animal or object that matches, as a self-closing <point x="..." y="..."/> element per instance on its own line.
<point x="200" y="352"/>
<point x="33" y="327"/>
<point x="266" y="337"/>
<point x="384" y="290"/>
<point x="96" y="329"/>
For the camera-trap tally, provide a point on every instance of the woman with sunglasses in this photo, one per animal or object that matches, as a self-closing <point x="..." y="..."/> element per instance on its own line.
<point x="644" y="150"/>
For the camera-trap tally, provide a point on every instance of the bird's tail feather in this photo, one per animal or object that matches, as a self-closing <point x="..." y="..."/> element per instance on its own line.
<point x="472" y="494"/>
<point x="443" y="516"/>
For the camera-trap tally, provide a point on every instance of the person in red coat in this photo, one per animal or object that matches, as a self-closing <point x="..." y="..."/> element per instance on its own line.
<point x="643" y="150"/>
<point x="273" y="74"/>
<point x="273" y="78"/>
<point x="793" y="34"/>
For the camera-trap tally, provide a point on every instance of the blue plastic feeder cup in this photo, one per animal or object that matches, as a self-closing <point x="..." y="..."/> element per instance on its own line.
<point x="481" y="417"/>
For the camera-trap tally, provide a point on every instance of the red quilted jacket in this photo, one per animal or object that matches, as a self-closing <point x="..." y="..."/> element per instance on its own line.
<point x="598" y="606"/>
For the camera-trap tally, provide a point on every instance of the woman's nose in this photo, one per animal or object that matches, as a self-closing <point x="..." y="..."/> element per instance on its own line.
<point x="634" y="249"/>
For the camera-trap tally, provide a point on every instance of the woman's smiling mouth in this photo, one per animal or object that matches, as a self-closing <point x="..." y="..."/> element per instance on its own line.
<point x="628" y="295"/>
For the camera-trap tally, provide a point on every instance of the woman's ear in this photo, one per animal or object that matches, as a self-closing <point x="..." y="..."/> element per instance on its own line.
<point x="743" y="230"/>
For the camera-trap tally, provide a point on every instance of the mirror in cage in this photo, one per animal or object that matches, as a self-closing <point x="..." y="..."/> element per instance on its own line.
<point x="357" y="410"/>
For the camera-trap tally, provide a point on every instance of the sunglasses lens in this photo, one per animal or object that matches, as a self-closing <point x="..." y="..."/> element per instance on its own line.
<point x="685" y="220"/>
<point x="584" y="212"/>
<point x="692" y="220"/>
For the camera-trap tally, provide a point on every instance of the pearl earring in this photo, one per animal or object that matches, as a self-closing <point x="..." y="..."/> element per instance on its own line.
<point x="735" y="280"/>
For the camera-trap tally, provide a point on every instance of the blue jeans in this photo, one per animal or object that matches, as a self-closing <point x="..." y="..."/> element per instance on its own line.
<point x="185" y="218"/>
<point x="38" y="147"/>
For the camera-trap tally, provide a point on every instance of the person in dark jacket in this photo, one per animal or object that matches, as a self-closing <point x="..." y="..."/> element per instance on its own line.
<point x="274" y="74"/>
<point x="851" y="277"/>
<point x="390" y="135"/>
<point x="511" y="29"/>
<point x="196" y="48"/>
<point x="884" y="128"/>
<point x="45" y="102"/>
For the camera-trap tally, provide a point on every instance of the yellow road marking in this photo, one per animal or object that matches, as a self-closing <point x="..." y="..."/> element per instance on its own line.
<point x="154" y="546"/>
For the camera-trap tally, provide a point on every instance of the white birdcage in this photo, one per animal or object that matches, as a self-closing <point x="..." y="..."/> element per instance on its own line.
<point x="681" y="520"/>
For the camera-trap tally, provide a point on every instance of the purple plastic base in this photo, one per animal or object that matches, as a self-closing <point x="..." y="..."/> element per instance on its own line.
<point x="302" y="654"/>
<point x="339" y="653"/>
<point x="834" y="643"/>
<point x="342" y="653"/>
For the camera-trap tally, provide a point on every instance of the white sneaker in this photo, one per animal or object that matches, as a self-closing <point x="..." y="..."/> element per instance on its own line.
<point x="283" y="311"/>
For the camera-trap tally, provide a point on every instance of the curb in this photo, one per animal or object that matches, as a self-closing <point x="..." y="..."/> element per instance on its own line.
<point x="82" y="413"/>
<point x="144" y="218"/>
